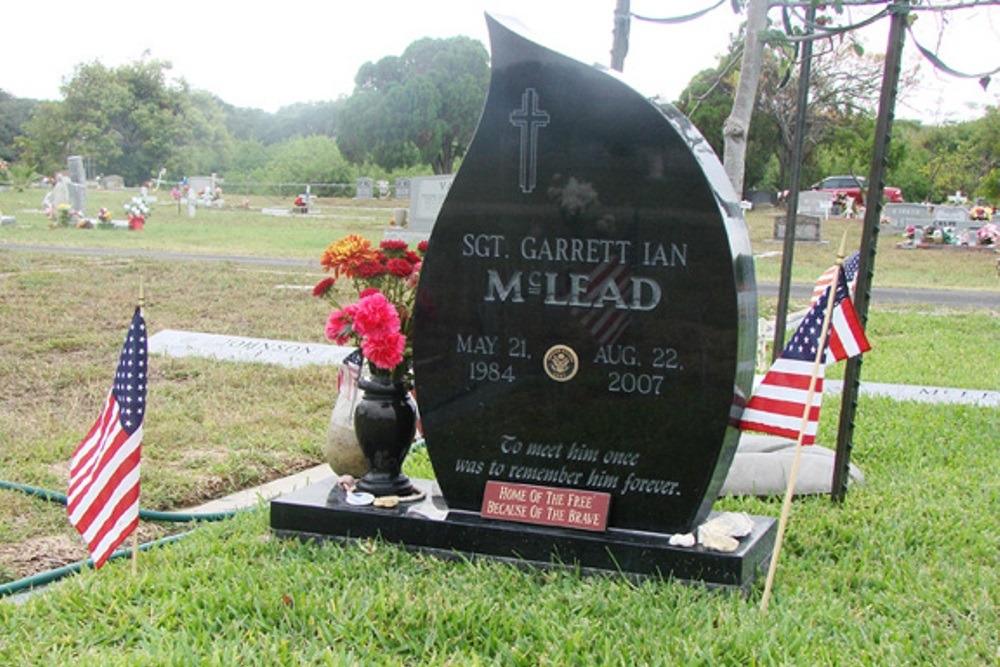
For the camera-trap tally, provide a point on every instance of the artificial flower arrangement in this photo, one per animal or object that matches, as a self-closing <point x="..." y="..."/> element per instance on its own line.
<point x="381" y="320"/>
<point x="65" y="216"/>
<point x="988" y="234"/>
<point x="980" y="213"/>
<point x="136" y="211"/>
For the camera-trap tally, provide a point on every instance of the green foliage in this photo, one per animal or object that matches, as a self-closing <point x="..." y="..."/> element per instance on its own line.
<point x="708" y="100"/>
<point x="314" y="159"/>
<point x="421" y="106"/>
<point x="130" y="120"/>
<point x="14" y="113"/>
<point x="302" y="120"/>
<point x="21" y="175"/>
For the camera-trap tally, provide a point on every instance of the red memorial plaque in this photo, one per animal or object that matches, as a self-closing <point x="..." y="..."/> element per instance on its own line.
<point x="547" y="506"/>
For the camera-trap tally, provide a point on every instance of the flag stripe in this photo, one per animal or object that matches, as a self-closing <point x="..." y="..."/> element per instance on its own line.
<point x="110" y="485"/>
<point x="782" y="404"/>
<point x="103" y="498"/>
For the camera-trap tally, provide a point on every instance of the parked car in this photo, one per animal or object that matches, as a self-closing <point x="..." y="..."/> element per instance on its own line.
<point x="855" y="187"/>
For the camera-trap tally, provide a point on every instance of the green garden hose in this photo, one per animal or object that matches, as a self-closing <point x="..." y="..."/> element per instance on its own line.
<point x="48" y="577"/>
<point x="150" y="515"/>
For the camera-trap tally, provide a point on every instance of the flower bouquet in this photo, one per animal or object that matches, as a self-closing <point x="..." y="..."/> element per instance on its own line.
<point x="136" y="212"/>
<point x="980" y="213"/>
<point x="104" y="218"/>
<point x="379" y="322"/>
<point x="988" y="234"/>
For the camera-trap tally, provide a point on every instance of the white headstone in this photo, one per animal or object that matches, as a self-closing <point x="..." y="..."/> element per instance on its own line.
<point x="901" y="216"/>
<point x="77" y="183"/>
<point x="427" y="195"/>
<point x="239" y="348"/>
<point x="951" y="216"/>
<point x="812" y="202"/>
<point x="363" y="188"/>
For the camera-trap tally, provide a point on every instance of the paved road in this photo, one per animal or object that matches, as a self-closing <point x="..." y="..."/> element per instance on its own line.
<point x="939" y="297"/>
<point x="967" y="298"/>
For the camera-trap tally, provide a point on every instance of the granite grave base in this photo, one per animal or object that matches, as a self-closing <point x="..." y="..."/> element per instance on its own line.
<point x="320" y="512"/>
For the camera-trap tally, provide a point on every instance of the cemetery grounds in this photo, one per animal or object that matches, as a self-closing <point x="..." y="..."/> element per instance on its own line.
<point x="904" y="572"/>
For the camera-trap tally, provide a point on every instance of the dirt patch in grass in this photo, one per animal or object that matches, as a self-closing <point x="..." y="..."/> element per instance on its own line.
<point x="38" y="554"/>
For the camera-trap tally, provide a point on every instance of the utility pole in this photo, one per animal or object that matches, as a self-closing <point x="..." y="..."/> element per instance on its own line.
<point x="619" y="47"/>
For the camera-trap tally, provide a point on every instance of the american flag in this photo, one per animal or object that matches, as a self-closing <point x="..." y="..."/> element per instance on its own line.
<point x="349" y="374"/>
<point x="103" y="498"/>
<point x="825" y="280"/>
<point x="780" y="402"/>
<point x="606" y="324"/>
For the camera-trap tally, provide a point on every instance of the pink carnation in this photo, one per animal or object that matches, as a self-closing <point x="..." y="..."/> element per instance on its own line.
<point x="386" y="350"/>
<point x="375" y="315"/>
<point x="338" y="327"/>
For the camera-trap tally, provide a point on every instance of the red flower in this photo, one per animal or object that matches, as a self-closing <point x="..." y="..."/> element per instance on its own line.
<point x="411" y="257"/>
<point x="422" y="247"/>
<point x="369" y="270"/>
<point x="338" y="327"/>
<point x="323" y="286"/>
<point x="385" y="351"/>
<point x="394" y="246"/>
<point x="399" y="268"/>
<point x="374" y="315"/>
<point x="368" y="292"/>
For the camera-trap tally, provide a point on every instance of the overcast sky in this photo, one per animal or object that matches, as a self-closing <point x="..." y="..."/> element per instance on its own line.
<point x="270" y="54"/>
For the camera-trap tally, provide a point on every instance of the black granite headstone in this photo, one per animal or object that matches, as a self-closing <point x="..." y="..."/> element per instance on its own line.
<point x="584" y="338"/>
<point x="587" y="307"/>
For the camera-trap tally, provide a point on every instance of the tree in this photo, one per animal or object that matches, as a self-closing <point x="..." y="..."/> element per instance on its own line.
<point x="128" y="119"/>
<point x="708" y="100"/>
<point x="843" y="99"/>
<point x="736" y="129"/>
<point x="421" y="106"/>
<point x="14" y="113"/>
<point x="737" y="125"/>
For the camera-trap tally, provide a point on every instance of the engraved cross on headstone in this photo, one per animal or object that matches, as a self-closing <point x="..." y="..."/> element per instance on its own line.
<point x="528" y="119"/>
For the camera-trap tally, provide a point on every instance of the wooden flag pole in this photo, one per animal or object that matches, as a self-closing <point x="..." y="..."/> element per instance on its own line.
<point x="786" y="506"/>
<point x="135" y="533"/>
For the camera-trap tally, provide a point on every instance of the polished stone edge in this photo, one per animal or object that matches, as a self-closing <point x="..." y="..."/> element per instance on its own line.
<point x="318" y="512"/>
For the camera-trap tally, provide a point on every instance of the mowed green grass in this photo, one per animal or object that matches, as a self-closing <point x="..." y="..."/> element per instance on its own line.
<point x="904" y="572"/>
<point x="238" y="230"/>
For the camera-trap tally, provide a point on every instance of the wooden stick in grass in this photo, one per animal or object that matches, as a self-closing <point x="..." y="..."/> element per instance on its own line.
<point x="786" y="506"/>
<point x="135" y="533"/>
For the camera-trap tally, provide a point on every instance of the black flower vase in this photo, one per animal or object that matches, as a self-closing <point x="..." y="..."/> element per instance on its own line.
<point x="385" y="421"/>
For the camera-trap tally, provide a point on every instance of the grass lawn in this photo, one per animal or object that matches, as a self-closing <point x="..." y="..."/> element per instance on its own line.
<point x="904" y="572"/>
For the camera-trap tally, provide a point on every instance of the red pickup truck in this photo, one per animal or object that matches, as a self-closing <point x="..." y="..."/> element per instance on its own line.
<point x="856" y="188"/>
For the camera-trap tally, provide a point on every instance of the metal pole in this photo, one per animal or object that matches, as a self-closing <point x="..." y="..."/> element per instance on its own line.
<point x="619" y="48"/>
<point x="869" y="238"/>
<point x="785" y="285"/>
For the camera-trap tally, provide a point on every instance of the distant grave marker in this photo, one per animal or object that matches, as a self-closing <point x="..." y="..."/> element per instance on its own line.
<point x="808" y="228"/>
<point x="901" y="216"/>
<point x="812" y="202"/>
<point x="952" y="216"/>
<point x="427" y="195"/>
<point x="364" y="188"/>
<point x="77" y="184"/>
<point x="402" y="188"/>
